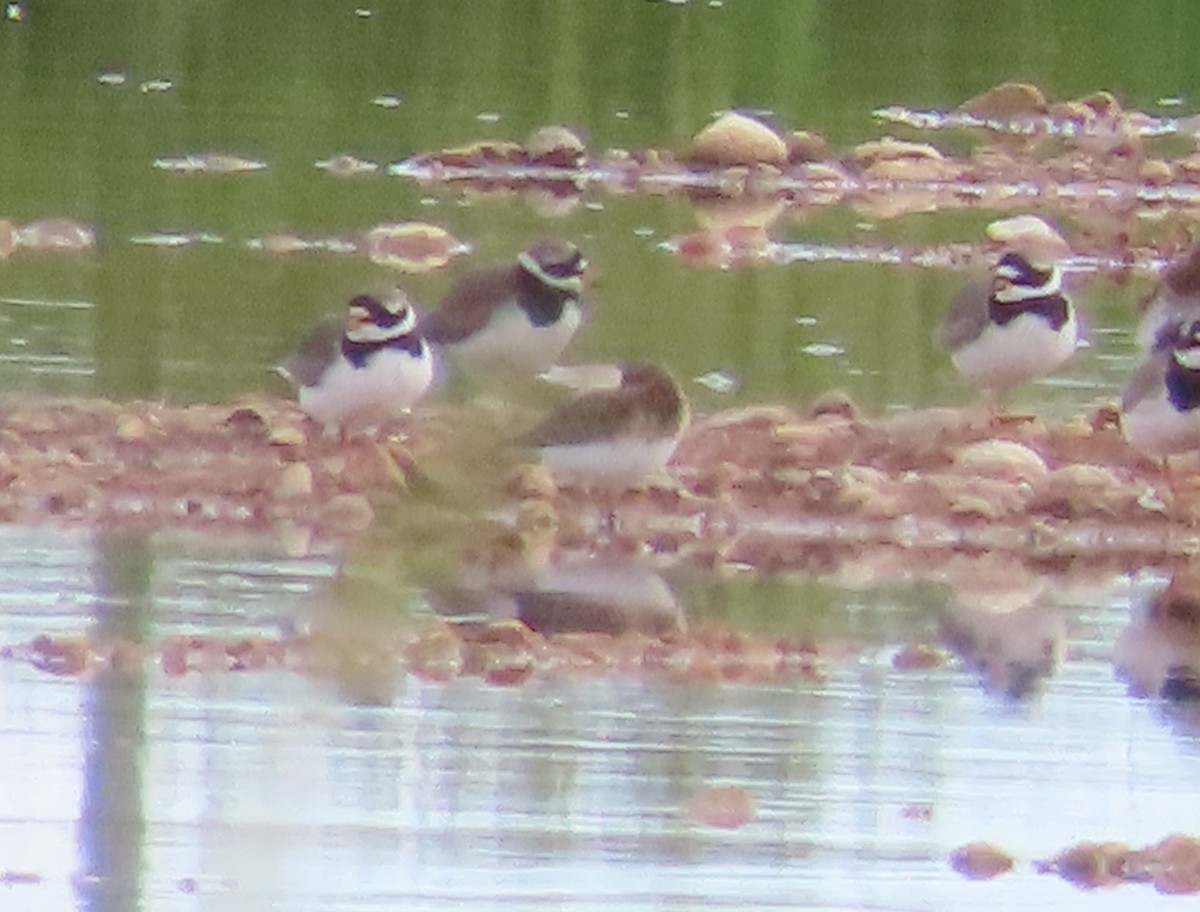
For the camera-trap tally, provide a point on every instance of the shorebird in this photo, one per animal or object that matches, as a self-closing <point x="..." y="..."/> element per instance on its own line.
<point x="515" y="316"/>
<point x="614" y="436"/>
<point x="1160" y="407"/>
<point x="1011" y="327"/>
<point x="369" y="363"/>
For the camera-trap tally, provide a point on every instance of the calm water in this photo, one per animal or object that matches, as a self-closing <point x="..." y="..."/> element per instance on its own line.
<point x="278" y="790"/>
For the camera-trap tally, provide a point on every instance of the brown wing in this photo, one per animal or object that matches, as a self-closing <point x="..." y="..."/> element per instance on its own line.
<point x="468" y="305"/>
<point x="968" y="316"/>
<point x="591" y="417"/>
<point x="310" y="361"/>
<point x="1146" y="380"/>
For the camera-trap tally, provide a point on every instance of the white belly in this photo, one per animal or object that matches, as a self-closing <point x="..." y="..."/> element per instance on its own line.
<point x="1156" y="429"/>
<point x="387" y="387"/>
<point x="1022" y="350"/>
<point x="624" y="461"/>
<point x="509" y="340"/>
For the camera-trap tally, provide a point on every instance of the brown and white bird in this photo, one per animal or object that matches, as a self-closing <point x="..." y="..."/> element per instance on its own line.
<point x="614" y="436"/>
<point x="514" y="316"/>
<point x="1011" y="327"/>
<point x="368" y="364"/>
<point x="1160" y="407"/>
<point x="1174" y="302"/>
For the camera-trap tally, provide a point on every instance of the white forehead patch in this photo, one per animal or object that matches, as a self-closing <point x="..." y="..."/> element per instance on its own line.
<point x="1016" y="292"/>
<point x="1188" y="358"/>
<point x="396" y="303"/>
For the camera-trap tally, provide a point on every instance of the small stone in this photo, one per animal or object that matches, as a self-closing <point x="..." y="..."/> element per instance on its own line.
<point x="131" y="427"/>
<point x="294" y="539"/>
<point x="980" y="861"/>
<point x="805" y="146"/>
<point x="1009" y="99"/>
<point x="348" y="513"/>
<point x="1156" y="172"/>
<point x="1089" y="864"/>
<point x="296" y="480"/>
<point x="1003" y="459"/>
<point x="725" y="807"/>
<point x="556" y="146"/>
<point x="412" y="247"/>
<point x="9" y="236"/>
<point x="287" y="436"/>
<point x="1102" y="104"/>
<point x="735" y="139"/>
<point x="891" y="149"/>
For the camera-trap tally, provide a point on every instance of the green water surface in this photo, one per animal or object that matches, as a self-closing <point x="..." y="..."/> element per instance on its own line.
<point x="291" y="83"/>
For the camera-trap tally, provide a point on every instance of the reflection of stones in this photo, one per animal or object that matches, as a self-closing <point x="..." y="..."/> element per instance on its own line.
<point x="999" y="625"/>
<point x="575" y="596"/>
<point x="1158" y="653"/>
<point x="717" y="213"/>
<point x="733" y="228"/>
<point x="553" y="199"/>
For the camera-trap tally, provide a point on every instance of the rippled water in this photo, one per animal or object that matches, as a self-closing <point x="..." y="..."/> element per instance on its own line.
<point x="274" y="788"/>
<point x="345" y="787"/>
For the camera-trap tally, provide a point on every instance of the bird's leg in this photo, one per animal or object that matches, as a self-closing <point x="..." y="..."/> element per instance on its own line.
<point x="993" y="405"/>
<point x="999" y="415"/>
<point x="391" y="468"/>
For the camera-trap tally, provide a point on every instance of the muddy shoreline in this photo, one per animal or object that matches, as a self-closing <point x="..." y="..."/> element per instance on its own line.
<point x="767" y="487"/>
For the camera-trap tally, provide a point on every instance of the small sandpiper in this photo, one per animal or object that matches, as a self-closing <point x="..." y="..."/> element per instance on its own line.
<point x="515" y="316"/>
<point x="1160" y="407"/>
<point x="617" y="436"/>
<point x="1011" y="327"/>
<point x="369" y="364"/>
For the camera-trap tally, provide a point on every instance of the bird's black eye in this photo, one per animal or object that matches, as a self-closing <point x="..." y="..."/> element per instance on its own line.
<point x="365" y="301"/>
<point x="567" y="268"/>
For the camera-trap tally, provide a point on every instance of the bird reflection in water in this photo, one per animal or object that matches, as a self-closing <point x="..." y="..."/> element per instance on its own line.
<point x="1158" y="652"/>
<point x="580" y="594"/>
<point x="997" y="620"/>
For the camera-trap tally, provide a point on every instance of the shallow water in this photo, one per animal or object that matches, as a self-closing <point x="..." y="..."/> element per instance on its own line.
<point x="349" y="787"/>
<point x="134" y="788"/>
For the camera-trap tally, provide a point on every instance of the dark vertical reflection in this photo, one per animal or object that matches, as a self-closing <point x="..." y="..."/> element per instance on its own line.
<point x="112" y="825"/>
